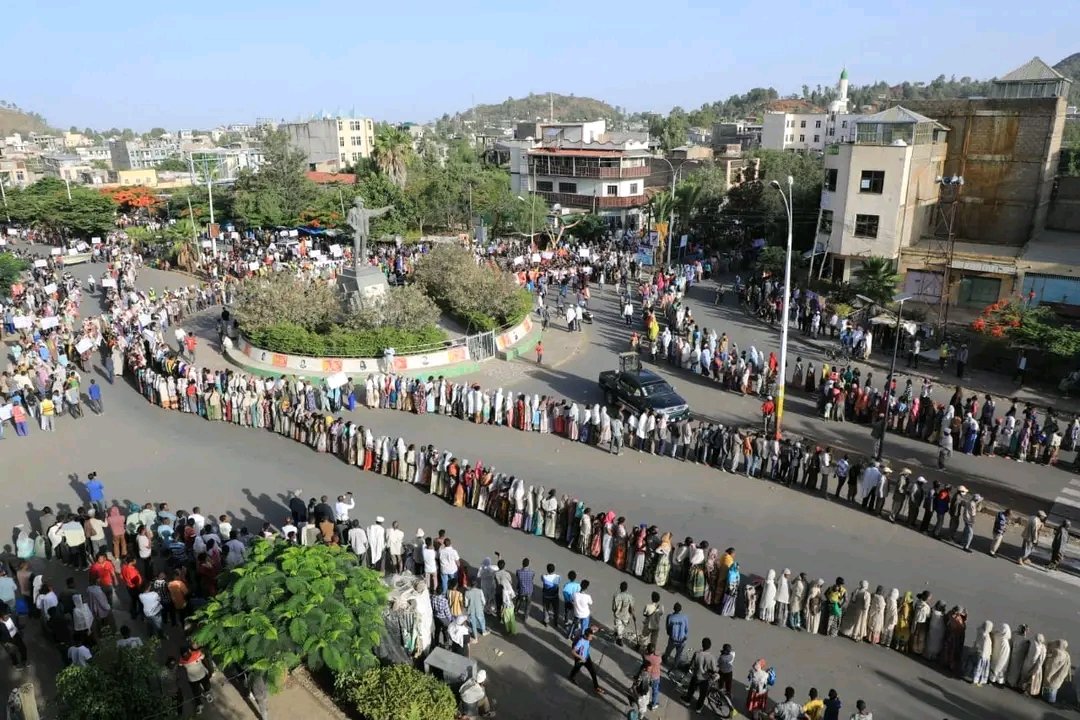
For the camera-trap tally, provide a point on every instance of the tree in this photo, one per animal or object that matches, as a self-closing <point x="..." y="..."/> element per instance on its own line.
<point x="262" y="301"/>
<point x="118" y="682"/>
<point x="280" y="191"/>
<point x="291" y="604"/>
<point x="135" y="197"/>
<point x="173" y="165"/>
<point x="398" y="692"/>
<point x="479" y="296"/>
<point x="876" y="278"/>
<point x="1030" y="326"/>
<point x="393" y="147"/>
<point x="45" y="205"/>
<point x="403" y="306"/>
<point x="772" y="260"/>
<point x="11" y="268"/>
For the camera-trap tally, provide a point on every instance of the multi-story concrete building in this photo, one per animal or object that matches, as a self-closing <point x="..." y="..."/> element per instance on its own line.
<point x="991" y="238"/>
<point x="95" y="153"/>
<point x="810" y="129"/>
<point x="227" y="161"/>
<point x="65" y="166"/>
<point x="331" y="144"/>
<point x="581" y="166"/>
<point x="744" y="133"/>
<point x="137" y="155"/>
<point x="881" y="190"/>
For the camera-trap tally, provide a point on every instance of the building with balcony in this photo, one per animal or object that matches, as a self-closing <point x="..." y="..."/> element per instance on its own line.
<point x="583" y="167"/>
<point x="880" y="191"/>
<point x="332" y="144"/>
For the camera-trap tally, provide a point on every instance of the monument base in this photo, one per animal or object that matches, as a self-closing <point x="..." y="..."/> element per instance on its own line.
<point x="366" y="286"/>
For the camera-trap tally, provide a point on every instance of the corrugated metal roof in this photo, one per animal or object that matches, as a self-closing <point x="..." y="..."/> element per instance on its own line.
<point x="1033" y="69"/>
<point x="897" y="114"/>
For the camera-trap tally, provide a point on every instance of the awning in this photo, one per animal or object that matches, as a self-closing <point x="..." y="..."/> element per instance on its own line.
<point x="890" y="321"/>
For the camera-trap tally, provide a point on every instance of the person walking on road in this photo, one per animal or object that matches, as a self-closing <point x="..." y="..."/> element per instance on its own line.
<point x="539" y="352"/>
<point x="1001" y="523"/>
<point x="622" y="610"/>
<point x="583" y="659"/>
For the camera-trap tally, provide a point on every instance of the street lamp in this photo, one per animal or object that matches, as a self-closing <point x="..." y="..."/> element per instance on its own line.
<point x="900" y="300"/>
<point x="785" y="317"/>
<point x="671" y="211"/>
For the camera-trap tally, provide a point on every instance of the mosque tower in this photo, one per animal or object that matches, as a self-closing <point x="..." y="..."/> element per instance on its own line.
<point x="841" y="104"/>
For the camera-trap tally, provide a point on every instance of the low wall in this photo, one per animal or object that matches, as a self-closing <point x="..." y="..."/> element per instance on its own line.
<point x="450" y="361"/>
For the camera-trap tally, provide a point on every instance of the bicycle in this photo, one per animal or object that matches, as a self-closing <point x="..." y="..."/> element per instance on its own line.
<point x="835" y="353"/>
<point x="719" y="703"/>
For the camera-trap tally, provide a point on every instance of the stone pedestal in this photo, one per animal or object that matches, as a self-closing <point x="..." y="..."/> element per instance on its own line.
<point x="367" y="285"/>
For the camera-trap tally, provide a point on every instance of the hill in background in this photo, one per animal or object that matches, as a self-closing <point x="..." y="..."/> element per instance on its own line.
<point x="14" y="119"/>
<point x="1070" y="68"/>
<point x="536" y="106"/>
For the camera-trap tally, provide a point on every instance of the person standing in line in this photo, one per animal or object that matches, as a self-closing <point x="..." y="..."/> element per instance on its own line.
<point x="583" y="658"/>
<point x="395" y="546"/>
<point x="549" y="595"/>
<point x="474" y="606"/>
<point x="789" y="709"/>
<point x="968" y="512"/>
<point x="622" y="611"/>
<point x="1031" y="536"/>
<point x="526" y="577"/>
<point x="678" y="630"/>
<point x="832" y="706"/>
<point x="431" y="565"/>
<point x="569" y="589"/>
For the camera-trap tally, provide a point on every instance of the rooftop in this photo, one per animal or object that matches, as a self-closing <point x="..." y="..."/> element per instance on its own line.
<point x="1033" y="69"/>
<point x="328" y="178"/>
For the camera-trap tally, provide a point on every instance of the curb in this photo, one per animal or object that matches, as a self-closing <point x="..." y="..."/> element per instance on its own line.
<point x="237" y="358"/>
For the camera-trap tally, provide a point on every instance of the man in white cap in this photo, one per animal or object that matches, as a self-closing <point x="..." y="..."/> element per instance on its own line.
<point x="970" y="511"/>
<point x="956" y="510"/>
<point x="418" y="553"/>
<point x="1031" y="536"/>
<point x="473" y="696"/>
<point x="377" y="542"/>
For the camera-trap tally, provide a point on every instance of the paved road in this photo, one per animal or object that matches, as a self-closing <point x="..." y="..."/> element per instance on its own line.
<point x="143" y="453"/>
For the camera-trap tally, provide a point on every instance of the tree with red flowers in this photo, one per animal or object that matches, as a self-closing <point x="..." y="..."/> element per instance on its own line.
<point x="1023" y="324"/>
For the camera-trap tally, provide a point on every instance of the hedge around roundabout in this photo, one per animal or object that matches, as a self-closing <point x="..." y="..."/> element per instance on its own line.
<point x="342" y="342"/>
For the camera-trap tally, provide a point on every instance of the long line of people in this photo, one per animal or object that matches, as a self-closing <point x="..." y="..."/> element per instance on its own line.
<point x="310" y="413"/>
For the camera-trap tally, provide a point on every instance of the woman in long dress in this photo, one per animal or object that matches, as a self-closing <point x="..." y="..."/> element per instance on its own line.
<point x="607" y="543"/>
<point x="663" y="562"/>
<point x="856" y="615"/>
<point x="935" y="639"/>
<point x="920" y="623"/>
<point x="731" y="590"/>
<point x="621" y="538"/>
<point x="640" y="544"/>
<point x="767" y="606"/>
<point x="1018" y="648"/>
<point x="1031" y="672"/>
<point x="1055" y="669"/>
<point x="585" y="532"/>
<point x="955" y="636"/>
<point x="757" y="688"/>
<point x="875" y="622"/>
<point x="695" y="582"/>
<point x="904" y="617"/>
<point x="892" y="609"/>
<point x="999" y="655"/>
<point x="814" y="600"/>
<point x="982" y="650"/>
<point x="551" y="511"/>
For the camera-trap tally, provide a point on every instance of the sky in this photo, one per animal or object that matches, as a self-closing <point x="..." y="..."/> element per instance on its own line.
<point x="199" y="64"/>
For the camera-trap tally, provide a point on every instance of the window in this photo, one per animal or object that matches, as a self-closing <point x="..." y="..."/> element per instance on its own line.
<point x="802" y="138"/>
<point x="341" y="141"/>
<point x="565" y="187"/>
<point x="817" y="138"/>
<point x="832" y="132"/>
<point x="633" y="188"/>
<point x="866" y="226"/>
<point x="790" y="123"/>
<point x="342" y="157"/>
<point x="826" y="222"/>
<point x="802" y="124"/>
<point x="817" y="123"/>
<point x="612" y="189"/>
<point x="355" y="156"/>
<point x="830" y="179"/>
<point x="544" y="185"/>
<point x="843" y="124"/>
<point x="872" y="181"/>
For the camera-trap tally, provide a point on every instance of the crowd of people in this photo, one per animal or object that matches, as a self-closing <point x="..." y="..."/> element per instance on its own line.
<point x="310" y="413"/>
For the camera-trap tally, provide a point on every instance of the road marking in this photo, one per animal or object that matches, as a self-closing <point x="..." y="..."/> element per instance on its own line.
<point x="1067" y="504"/>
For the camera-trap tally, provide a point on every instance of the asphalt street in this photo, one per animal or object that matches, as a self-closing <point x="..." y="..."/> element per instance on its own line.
<point x="144" y="453"/>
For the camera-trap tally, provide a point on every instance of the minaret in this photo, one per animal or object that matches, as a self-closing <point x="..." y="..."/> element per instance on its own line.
<point x="843" y="87"/>
<point x="841" y="105"/>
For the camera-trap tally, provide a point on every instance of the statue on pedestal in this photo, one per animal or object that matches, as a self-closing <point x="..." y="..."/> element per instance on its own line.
<point x="359" y="219"/>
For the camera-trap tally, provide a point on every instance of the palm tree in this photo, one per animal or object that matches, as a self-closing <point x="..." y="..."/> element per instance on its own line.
<point x="393" y="146"/>
<point x="876" y="278"/>
<point x="687" y="200"/>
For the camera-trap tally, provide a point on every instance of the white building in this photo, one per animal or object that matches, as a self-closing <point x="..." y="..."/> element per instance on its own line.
<point x="881" y="190"/>
<point x="227" y="161"/>
<point x="581" y="166"/>
<point x="331" y="144"/>
<point x="811" y="130"/>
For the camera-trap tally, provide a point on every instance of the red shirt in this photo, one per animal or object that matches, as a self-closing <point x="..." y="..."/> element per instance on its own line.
<point x="131" y="577"/>
<point x="103" y="573"/>
<point x="768" y="407"/>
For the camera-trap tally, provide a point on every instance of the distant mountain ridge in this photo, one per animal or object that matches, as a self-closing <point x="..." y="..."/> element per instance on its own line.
<point x="542" y="106"/>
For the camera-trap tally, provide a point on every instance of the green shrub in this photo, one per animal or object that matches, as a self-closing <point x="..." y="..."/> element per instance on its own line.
<point x="397" y="692"/>
<point x="292" y="339"/>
